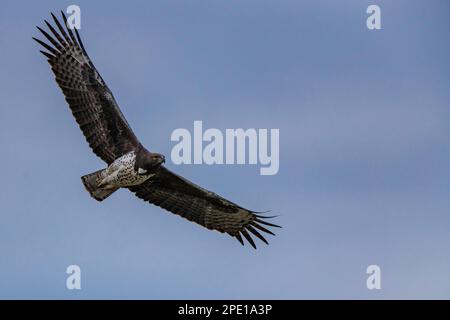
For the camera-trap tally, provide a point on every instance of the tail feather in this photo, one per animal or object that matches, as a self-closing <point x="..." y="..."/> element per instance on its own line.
<point x="92" y="182"/>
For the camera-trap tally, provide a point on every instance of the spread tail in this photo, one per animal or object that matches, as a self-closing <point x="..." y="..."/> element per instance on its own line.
<point x="92" y="182"/>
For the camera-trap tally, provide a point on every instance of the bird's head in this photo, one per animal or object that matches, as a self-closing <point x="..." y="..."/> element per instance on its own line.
<point x="149" y="163"/>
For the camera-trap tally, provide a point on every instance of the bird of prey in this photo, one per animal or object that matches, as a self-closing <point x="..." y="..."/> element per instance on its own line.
<point x="129" y="164"/>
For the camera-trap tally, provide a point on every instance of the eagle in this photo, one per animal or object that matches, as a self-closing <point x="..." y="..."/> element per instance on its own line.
<point x="129" y="164"/>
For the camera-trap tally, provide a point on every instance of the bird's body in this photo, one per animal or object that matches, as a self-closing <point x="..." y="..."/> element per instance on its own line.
<point x="129" y="164"/>
<point x="119" y="174"/>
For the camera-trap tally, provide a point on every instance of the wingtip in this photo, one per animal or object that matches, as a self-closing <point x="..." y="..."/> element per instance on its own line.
<point x="48" y="55"/>
<point x="266" y="211"/>
<point x="53" y="16"/>
<point x="258" y="214"/>
<point x="248" y="237"/>
<point x="257" y="234"/>
<point x="267" y="223"/>
<point x="239" y="238"/>
<point x="265" y="217"/>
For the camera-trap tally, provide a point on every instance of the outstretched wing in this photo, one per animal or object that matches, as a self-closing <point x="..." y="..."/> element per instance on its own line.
<point x="182" y="197"/>
<point x="92" y="103"/>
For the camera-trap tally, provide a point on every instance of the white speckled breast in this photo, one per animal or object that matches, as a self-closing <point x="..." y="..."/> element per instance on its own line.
<point x="121" y="172"/>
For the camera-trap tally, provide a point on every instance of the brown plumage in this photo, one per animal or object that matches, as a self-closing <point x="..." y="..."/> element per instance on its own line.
<point x="111" y="138"/>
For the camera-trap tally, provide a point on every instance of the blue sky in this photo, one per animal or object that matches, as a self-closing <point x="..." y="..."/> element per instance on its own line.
<point x="364" y="150"/>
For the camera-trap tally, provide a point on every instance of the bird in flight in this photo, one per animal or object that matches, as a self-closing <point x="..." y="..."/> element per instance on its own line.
<point x="129" y="164"/>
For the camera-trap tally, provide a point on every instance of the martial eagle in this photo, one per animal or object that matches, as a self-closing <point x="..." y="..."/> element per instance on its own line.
<point x="130" y="165"/>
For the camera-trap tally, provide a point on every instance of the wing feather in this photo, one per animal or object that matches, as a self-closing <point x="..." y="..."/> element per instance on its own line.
<point x="90" y="100"/>
<point x="190" y="201"/>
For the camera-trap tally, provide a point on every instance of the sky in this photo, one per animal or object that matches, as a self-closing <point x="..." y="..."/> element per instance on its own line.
<point x="364" y="123"/>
